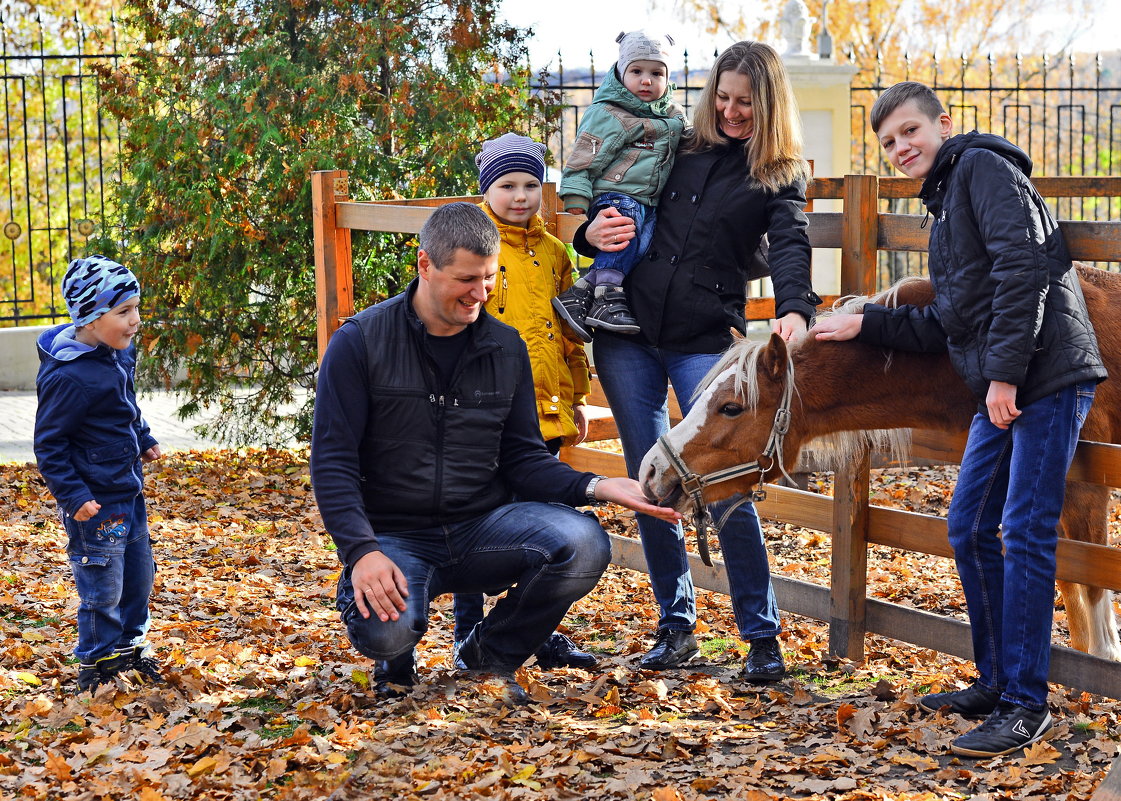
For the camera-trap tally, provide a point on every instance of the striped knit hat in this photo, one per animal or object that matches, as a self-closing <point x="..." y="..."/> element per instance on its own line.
<point x="94" y="285"/>
<point x="509" y="153"/>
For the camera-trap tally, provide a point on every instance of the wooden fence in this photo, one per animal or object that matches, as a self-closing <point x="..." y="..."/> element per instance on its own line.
<point x="859" y="232"/>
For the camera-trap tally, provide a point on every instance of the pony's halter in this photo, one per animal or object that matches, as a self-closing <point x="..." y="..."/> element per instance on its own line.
<point x="694" y="484"/>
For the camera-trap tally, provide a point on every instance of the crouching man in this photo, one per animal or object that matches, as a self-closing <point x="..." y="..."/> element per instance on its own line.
<point x="425" y="429"/>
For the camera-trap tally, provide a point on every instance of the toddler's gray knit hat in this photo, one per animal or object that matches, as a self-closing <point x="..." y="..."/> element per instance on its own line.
<point x="642" y="46"/>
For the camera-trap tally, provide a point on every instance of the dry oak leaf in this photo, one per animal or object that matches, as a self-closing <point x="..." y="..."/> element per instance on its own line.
<point x="666" y="794"/>
<point x="1040" y="753"/>
<point x="57" y="766"/>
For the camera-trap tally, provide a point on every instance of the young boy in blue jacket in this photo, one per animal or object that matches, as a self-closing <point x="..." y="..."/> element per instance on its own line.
<point x="1009" y="309"/>
<point x="90" y="440"/>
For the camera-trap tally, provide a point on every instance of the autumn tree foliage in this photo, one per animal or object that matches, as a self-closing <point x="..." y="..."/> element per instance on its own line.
<point x="228" y="109"/>
<point x="880" y="34"/>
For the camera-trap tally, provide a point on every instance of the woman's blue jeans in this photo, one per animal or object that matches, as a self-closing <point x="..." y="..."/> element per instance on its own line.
<point x="635" y="378"/>
<point x="1003" y="527"/>
<point x="546" y="556"/>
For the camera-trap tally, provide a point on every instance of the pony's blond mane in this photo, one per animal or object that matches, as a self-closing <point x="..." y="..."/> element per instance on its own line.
<point x="831" y="450"/>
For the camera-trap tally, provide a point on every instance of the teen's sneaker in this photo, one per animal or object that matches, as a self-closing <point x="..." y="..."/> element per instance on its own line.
<point x="560" y="651"/>
<point x="671" y="649"/>
<point x="573" y="304"/>
<point x="1009" y="728"/>
<point x="610" y="311"/>
<point x="974" y="702"/>
<point x="92" y="676"/>
<point x="764" y="661"/>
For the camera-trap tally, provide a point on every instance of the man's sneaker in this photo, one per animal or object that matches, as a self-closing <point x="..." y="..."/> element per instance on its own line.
<point x="1009" y="728"/>
<point x="394" y="678"/>
<point x="610" y="311"/>
<point x="560" y="651"/>
<point x="573" y="304"/>
<point x="671" y="649"/>
<point x="974" y="702"/>
<point x="92" y="676"/>
<point x="471" y="656"/>
<point x="764" y="661"/>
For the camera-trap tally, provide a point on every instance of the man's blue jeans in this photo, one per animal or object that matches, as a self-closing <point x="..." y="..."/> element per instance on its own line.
<point x="634" y="377"/>
<point x="546" y="556"/>
<point x="623" y="261"/>
<point x="111" y="558"/>
<point x="1003" y="527"/>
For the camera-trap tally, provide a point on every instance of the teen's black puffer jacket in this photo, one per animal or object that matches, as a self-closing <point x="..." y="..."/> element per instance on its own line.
<point x="1008" y="299"/>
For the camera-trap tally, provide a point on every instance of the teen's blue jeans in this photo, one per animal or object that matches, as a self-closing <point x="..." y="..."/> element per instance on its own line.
<point x="111" y="558"/>
<point x="547" y="555"/>
<point x="1010" y="490"/>
<point x="621" y="262"/>
<point x="635" y="377"/>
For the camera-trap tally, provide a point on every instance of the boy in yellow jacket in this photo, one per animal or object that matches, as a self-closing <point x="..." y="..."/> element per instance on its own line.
<point x="533" y="268"/>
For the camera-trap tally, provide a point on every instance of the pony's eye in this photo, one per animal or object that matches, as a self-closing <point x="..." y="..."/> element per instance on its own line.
<point x="731" y="410"/>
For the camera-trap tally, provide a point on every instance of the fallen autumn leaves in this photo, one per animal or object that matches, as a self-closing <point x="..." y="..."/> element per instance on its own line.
<point x="269" y="701"/>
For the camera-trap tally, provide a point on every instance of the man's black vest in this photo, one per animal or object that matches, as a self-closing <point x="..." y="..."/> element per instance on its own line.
<point x="430" y="454"/>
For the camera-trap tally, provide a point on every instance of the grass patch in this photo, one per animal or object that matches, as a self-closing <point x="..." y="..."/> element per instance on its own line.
<point x="261" y="703"/>
<point x="722" y="646"/>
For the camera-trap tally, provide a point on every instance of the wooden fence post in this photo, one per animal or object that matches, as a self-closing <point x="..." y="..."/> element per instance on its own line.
<point x="550" y="205"/>
<point x="860" y="235"/>
<point x="334" y="278"/>
<point x="849" y="573"/>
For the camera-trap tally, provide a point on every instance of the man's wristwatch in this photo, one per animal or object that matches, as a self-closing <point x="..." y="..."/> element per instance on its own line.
<point x="590" y="490"/>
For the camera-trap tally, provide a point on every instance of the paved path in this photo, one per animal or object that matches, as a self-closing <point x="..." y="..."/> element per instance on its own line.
<point x="17" y="424"/>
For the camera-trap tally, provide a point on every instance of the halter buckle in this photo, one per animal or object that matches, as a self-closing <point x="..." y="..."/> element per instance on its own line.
<point x="758" y="495"/>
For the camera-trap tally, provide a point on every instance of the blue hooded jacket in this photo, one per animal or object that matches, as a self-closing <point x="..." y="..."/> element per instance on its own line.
<point x="89" y="432"/>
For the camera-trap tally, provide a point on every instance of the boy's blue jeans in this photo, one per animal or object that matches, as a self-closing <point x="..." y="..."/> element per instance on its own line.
<point x="111" y="558"/>
<point x="547" y="556"/>
<point x="623" y="261"/>
<point x="634" y="377"/>
<point x="1013" y="481"/>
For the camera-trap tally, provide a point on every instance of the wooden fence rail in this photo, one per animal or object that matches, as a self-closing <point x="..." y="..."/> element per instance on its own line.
<point x="859" y="232"/>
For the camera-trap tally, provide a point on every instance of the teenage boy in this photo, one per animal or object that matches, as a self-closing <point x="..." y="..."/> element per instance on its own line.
<point x="1009" y="309"/>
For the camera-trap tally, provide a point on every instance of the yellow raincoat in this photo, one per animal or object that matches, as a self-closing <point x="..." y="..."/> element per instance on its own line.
<point x="533" y="268"/>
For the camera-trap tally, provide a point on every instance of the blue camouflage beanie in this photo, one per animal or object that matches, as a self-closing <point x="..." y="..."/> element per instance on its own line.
<point x="94" y="285"/>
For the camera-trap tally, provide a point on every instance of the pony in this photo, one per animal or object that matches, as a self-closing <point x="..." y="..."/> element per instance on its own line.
<point x="846" y="394"/>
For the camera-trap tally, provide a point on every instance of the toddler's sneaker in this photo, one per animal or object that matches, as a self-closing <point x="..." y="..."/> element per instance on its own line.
<point x="573" y="304"/>
<point x="610" y="311"/>
<point x="143" y="667"/>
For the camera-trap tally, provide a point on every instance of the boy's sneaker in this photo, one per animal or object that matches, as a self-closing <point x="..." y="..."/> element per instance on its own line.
<point x="573" y="304"/>
<point x="90" y="677"/>
<point x="611" y="312"/>
<point x="144" y="667"/>
<point x="1009" y="728"/>
<point x="471" y="656"/>
<point x="974" y="702"/>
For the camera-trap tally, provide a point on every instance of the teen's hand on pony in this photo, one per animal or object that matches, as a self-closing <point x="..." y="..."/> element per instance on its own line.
<point x="151" y="454"/>
<point x="379" y="587"/>
<point x="790" y="326"/>
<point x="1001" y="403"/>
<point x="609" y="231"/>
<point x="838" y="327"/>
<point x="628" y="492"/>
<point x="581" y="421"/>
<point x="88" y="510"/>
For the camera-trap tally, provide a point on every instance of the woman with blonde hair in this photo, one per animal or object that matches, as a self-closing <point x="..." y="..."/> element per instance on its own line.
<point x="739" y="175"/>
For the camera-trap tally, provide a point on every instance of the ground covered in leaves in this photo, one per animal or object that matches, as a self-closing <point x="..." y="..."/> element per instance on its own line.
<point x="267" y="700"/>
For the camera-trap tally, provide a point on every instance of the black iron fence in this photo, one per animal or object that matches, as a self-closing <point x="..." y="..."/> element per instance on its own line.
<point x="60" y="148"/>
<point x="59" y="160"/>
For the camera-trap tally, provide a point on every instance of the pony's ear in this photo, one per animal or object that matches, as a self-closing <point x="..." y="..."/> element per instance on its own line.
<point x="772" y="359"/>
<point x="736" y="335"/>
